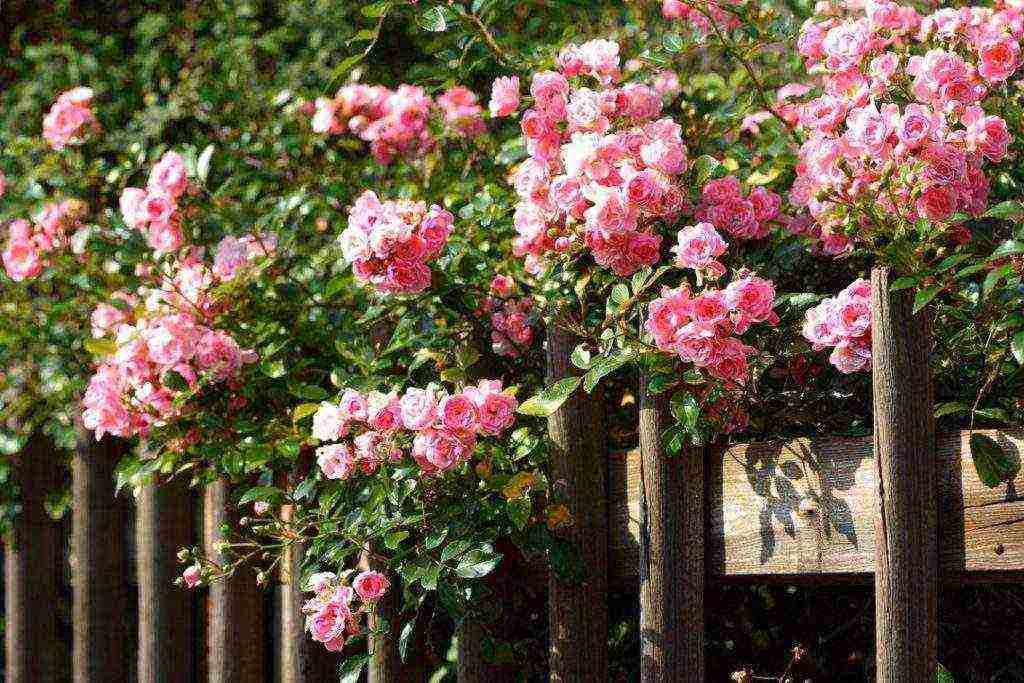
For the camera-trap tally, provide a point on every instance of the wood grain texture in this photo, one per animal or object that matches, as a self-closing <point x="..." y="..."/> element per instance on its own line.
<point x="235" y="646"/>
<point x="163" y="524"/>
<point x="804" y="510"/>
<point x="385" y="665"/>
<point x="32" y="566"/>
<point x="299" y="658"/>
<point x="99" y="568"/>
<point x="578" y="611"/>
<point x="671" y="549"/>
<point x="906" y="521"/>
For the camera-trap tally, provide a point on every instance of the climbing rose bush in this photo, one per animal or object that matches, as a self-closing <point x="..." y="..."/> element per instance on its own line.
<point x="600" y="169"/>
<point x="56" y="226"/>
<point x="437" y="429"/>
<point x="389" y="243"/>
<point x="70" y="119"/>
<point x="843" y="323"/>
<point x="899" y="131"/>
<point x="336" y="610"/>
<point x="396" y="122"/>
<point x="701" y="328"/>
<point x="164" y="341"/>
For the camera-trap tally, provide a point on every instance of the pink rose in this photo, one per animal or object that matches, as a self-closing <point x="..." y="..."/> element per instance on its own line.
<point x="192" y="575"/>
<point x="131" y="203"/>
<point x="328" y="422"/>
<point x="937" y="202"/>
<point x="998" y="58"/>
<point x="371" y="586"/>
<point x="418" y="409"/>
<point x="504" y="96"/>
<point x="169" y="175"/>
<point x="353" y="406"/>
<point x="457" y="412"/>
<point x="336" y="461"/>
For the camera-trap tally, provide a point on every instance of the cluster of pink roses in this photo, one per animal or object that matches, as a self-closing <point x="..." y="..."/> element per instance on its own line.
<point x="922" y="159"/>
<point x="395" y="122"/>
<point x="69" y="118"/>
<point x="389" y="243"/>
<point x="722" y="204"/>
<point x="600" y="169"/>
<point x="701" y="18"/>
<point x="154" y="210"/>
<point x="331" y="616"/>
<point x="843" y="322"/>
<point x="28" y="243"/>
<point x="701" y="328"/>
<point x="439" y="429"/>
<point x="511" y="319"/>
<point x="161" y="333"/>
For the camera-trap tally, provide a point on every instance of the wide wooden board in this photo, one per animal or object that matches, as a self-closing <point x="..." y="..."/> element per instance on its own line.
<point x="804" y="510"/>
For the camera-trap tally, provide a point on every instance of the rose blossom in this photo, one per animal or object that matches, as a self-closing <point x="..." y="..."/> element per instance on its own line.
<point x="504" y="96"/>
<point x="370" y="585"/>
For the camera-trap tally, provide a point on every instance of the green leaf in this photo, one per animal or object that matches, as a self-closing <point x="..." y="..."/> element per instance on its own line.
<point x="435" y="19"/>
<point x="991" y="280"/>
<point x="1004" y="210"/>
<point x="266" y="493"/>
<point x="273" y="369"/>
<point x="394" y="540"/>
<point x="1007" y="248"/>
<point x="704" y="168"/>
<point x="454" y="549"/>
<point x="685" y="408"/>
<point x="942" y="675"/>
<point x="603" y="365"/>
<point x="903" y="283"/>
<point x="944" y="409"/>
<point x="925" y="296"/>
<point x="375" y="10"/>
<point x="404" y="638"/>
<point x="990" y="460"/>
<point x="1017" y="347"/>
<point x="203" y="164"/>
<point x="100" y="347"/>
<point x="351" y="669"/>
<point x="304" y="410"/>
<point x="551" y="399"/>
<point x="581" y="357"/>
<point x="674" y="43"/>
<point x="477" y="563"/>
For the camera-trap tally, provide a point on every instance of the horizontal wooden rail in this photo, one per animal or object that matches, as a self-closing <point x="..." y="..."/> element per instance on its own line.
<point x="804" y="510"/>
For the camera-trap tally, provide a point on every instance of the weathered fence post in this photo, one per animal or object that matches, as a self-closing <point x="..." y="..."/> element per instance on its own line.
<point x="234" y="614"/>
<point x="906" y="572"/>
<point x="385" y="665"/>
<point x="578" y="611"/>
<point x="471" y="664"/>
<point x="32" y="565"/>
<point x="163" y="523"/>
<point x="671" y="551"/>
<point x="99" y="572"/>
<point x="301" y="660"/>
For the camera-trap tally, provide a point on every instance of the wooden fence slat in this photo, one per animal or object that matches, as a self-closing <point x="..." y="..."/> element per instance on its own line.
<point x="235" y="612"/>
<point x="804" y="510"/>
<point x="301" y="660"/>
<point x="578" y="611"/>
<point x="906" y="523"/>
<point x="163" y="524"/>
<point x="99" y="567"/>
<point x="671" y="551"/>
<point x="385" y="665"/>
<point x="32" y="565"/>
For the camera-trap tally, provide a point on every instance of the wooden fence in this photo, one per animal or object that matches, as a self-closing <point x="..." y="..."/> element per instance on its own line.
<point x="905" y="507"/>
<point x="801" y="510"/>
